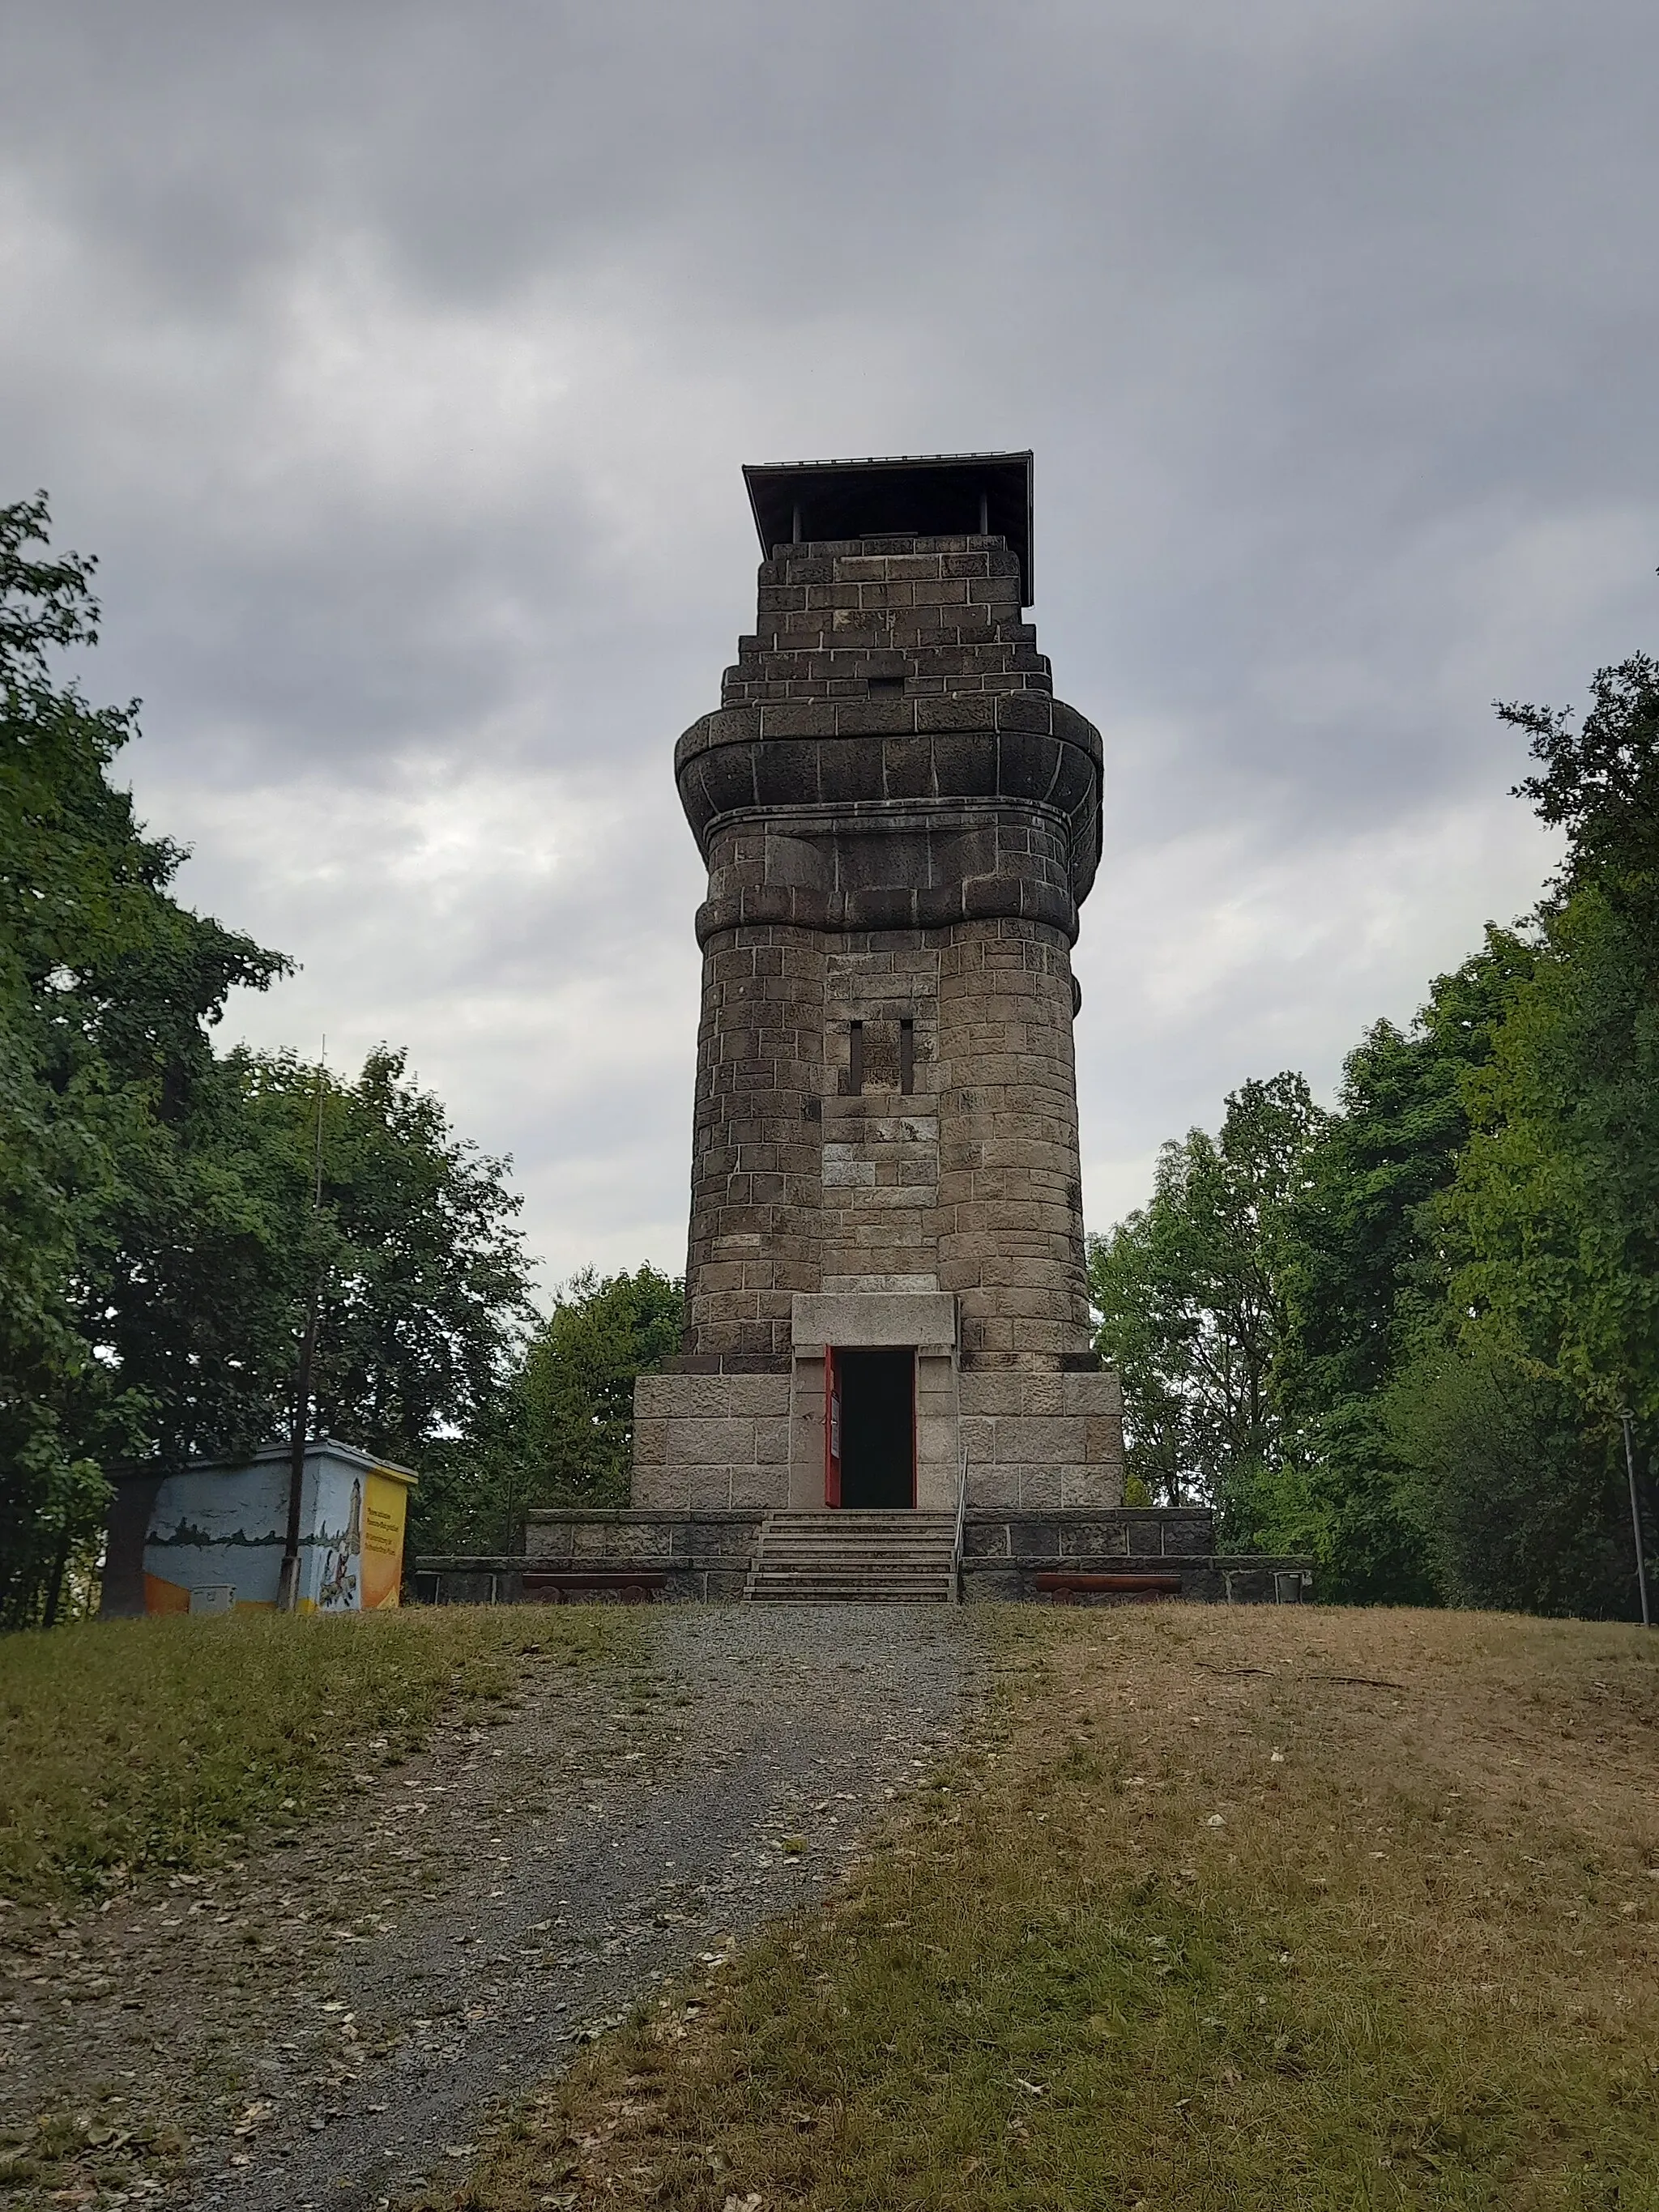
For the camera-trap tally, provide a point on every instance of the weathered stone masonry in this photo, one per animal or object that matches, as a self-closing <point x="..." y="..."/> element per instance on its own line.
<point x="900" y="822"/>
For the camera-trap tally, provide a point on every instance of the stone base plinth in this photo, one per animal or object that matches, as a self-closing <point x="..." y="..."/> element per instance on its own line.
<point x="1036" y="1439"/>
<point x="1041" y="1443"/>
<point x="709" y="1443"/>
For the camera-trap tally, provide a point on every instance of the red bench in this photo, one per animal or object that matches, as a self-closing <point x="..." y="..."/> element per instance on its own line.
<point x="1066" y="1588"/>
<point x="629" y="1586"/>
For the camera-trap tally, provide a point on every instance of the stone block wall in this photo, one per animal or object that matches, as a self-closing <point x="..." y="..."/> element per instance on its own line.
<point x="705" y="1442"/>
<point x="702" y="1556"/>
<point x="1005" y="1553"/>
<point x="1042" y="1442"/>
<point x="881" y="1144"/>
<point x="1010" y="1217"/>
<point x="1089" y="1537"/>
<point x="969" y="1181"/>
<point x="942" y="612"/>
<point x="899" y="821"/>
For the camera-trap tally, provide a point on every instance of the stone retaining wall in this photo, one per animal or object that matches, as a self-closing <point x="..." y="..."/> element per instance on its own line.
<point x="706" y="1556"/>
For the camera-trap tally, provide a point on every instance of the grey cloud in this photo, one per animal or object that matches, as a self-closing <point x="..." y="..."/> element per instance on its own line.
<point x="399" y="359"/>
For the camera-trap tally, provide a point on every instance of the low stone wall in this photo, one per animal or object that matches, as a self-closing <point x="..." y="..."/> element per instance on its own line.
<point x="1003" y="1554"/>
<point x="1206" y="1580"/>
<point x="1139" y="1532"/>
<point x="702" y="1556"/>
<point x="706" y="1556"/>
<point x="476" y="1578"/>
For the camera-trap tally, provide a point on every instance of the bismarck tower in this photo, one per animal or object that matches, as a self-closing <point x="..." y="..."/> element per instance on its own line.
<point x="900" y="820"/>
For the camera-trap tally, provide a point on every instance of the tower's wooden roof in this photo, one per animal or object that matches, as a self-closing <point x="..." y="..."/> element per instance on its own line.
<point x="922" y="496"/>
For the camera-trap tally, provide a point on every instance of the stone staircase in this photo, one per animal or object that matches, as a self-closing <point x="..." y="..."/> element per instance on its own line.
<point x="855" y="1558"/>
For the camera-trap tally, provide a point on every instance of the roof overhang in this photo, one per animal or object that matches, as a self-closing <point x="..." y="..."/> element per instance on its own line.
<point x="922" y="496"/>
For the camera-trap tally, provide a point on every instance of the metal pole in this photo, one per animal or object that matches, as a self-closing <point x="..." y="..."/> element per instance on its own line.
<point x="1635" y="1521"/>
<point x="288" y="1583"/>
<point x="287" y="1588"/>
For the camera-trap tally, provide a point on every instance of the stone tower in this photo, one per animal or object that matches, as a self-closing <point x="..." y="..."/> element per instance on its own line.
<point x="900" y="822"/>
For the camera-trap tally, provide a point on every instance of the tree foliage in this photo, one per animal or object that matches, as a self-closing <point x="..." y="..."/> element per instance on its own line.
<point x="409" y="1232"/>
<point x="160" y="1233"/>
<point x="108" y="987"/>
<point x="1189" y="1296"/>
<point x="1458" y="1290"/>
<point x="562" y="1433"/>
<point x="578" y="1382"/>
<point x="1600" y="781"/>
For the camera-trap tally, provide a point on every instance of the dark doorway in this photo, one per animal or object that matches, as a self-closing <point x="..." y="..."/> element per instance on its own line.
<point x="878" y="1427"/>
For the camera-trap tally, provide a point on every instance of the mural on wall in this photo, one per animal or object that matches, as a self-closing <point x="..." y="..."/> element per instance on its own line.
<point x="343" y="1560"/>
<point x="216" y="1533"/>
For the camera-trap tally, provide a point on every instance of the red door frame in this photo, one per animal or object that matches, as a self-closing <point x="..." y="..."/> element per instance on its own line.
<point x="831" y="1428"/>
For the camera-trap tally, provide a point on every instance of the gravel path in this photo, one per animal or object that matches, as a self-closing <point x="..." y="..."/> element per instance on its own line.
<point x="331" y="2025"/>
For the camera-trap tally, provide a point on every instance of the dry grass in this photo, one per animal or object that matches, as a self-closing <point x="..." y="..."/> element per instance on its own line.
<point x="125" y="1745"/>
<point x="1124" y="1955"/>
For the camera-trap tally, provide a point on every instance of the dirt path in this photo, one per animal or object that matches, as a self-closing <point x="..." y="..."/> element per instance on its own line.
<point x="329" y="2025"/>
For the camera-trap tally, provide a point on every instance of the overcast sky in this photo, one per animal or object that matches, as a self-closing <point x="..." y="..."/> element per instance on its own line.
<point x="398" y="363"/>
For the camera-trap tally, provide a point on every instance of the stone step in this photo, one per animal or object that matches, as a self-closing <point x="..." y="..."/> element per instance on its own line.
<point x="873" y="1547"/>
<point x="818" y="1547"/>
<point x="853" y="1585"/>
<point x="791" y="1572"/>
<point x="781" y="1564"/>
<point x="880" y="1528"/>
<point x="848" y="1595"/>
<point x="854" y="1558"/>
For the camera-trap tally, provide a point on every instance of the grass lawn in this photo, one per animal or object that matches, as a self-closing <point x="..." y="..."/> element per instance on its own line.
<point x="125" y="1745"/>
<point x="1225" y="1910"/>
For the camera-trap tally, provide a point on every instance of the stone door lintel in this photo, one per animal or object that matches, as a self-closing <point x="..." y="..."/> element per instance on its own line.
<point x="923" y="1319"/>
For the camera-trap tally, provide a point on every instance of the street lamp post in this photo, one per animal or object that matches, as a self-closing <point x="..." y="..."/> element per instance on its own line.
<point x="1635" y="1521"/>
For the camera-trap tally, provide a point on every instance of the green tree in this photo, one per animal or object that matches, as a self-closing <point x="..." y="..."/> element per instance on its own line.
<point x="160" y="1238"/>
<point x="424" y="1287"/>
<point x="577" y="1387"/>
<point x="561" y="1433"/>
<point x="107" y="989"/>
<point x="1551" y="1229"/>
<point x="1539" y="1247"/>
<point x="1191" y="1303"/>
<point x="1361" y="1269"/>
<point x="1409" y="1357"/>
<point x="1521" y="1512"/>
<point x="1599" y="783"/>
<point x="1365" y="1281"/>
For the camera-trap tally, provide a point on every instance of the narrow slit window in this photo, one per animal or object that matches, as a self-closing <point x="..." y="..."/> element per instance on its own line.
<point x="907" y="1057"/>
<point x="855" y="1058"/>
